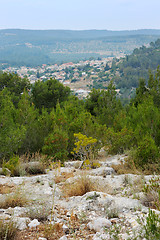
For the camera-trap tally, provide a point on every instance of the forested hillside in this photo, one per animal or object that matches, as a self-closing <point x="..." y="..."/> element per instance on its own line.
<point x="46" y="118"/>
<point x="37" y="47"/>
<point x="129" y="70"/>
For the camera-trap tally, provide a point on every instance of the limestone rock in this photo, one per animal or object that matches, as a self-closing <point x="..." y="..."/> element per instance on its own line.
<point x="34" y="223"/>
<point x="99" y="223"/>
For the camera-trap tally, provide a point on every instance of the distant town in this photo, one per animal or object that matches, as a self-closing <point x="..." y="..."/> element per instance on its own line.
<point x="81" y="77"/>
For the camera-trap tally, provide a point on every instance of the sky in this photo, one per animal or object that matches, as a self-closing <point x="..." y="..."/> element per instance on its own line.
<point x="80" y="14"/>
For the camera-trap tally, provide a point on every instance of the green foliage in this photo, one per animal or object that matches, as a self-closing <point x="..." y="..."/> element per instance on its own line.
<point x="135" y="66"/>
<point x="12" y="133"/>
<point x="37" y="125"/>
<point x="117" y="142"/>
<point x="56" y="143"/>
<point x="151" y="229"/>
<point x="11" y="165"/>
<point x="47" y="94"/>
<point x="104" y="105"/>
<point x="146" y="152"/>
<point x="152" y="192"/>
<point x="14" y="84"/>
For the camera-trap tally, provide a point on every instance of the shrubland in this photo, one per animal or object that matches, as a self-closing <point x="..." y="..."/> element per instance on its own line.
<point x="47" y="118"/>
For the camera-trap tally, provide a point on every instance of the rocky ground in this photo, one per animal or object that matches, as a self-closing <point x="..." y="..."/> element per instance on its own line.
<point x="111" y="209"/>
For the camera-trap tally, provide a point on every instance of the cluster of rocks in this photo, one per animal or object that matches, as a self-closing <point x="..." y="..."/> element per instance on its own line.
<point x="95" y="215"/>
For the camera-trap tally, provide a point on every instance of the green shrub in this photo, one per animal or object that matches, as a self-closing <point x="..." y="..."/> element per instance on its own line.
<point x="117" y="142"/>
<point x="146" y="152"/>
<point x="10" y="167"/>
<point x="56" y="144"/>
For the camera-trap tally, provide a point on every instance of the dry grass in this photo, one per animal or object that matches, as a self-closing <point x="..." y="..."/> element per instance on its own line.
<point x="81" y="186"/>
<point x="152" y="193"/>
<point x="40" y="212"/>
<point x="8" y="230"/>
<point x="127" y="167"/>
<point x="4" y="188"/>
<point x="63" y="177"/>
<point x="14" y="200"/>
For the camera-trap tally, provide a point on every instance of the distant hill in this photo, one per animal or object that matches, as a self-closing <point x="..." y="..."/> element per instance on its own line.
<point x="130" y="69"/>
<point x="35" y="47"/>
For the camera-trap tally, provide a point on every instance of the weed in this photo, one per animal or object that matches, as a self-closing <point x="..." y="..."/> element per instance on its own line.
<point x="114" y="232"/>
<point x="82" y="217"/>
<point x="150" y="226"/>
<point x="40" y="212"/>
<point x="152" y="193"/>
<point x="94" y="196"/>
<point x="112" y="212"/>
<point x="127" y="180"/>
<point x="8" y="230"/>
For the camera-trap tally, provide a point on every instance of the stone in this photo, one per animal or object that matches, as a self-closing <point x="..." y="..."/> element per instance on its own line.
<point x="102" y="171"/>
<point x="74" y="164"/>
<point x="99" y="223"/>
<point x="42" y="238"/>
<point x="64" y="227"/>
<point x="63" y="238"/>
<point x="21" y="222"/>
<point x="34" y="223"/>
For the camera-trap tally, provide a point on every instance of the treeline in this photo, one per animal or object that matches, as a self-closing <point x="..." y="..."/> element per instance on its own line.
<point x="45" y="117"/>
<point x="136" y="66"/>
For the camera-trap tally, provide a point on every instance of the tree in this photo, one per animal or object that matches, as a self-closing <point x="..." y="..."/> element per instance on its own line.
<point x="12" y="133"/>
<point x="14" y="84"/>
<point x="47" y="94"/>
<point x="104" y="104"/>
<point x="37" y="125"/>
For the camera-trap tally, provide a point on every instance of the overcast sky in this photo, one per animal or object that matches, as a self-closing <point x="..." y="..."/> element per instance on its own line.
<point x="80" y="14"/>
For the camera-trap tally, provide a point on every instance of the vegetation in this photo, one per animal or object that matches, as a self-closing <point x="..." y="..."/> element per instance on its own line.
<point x="136" y="66"/>
<point x="33" y="48"/>
<point x="8" y="230"/>
<point x="50" y="120"/>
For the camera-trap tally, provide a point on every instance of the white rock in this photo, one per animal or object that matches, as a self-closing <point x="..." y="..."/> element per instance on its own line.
<point x="41" y="238"/>
<point x="98" y="223"/>
<point x="64" y="227"/>
<point x="102" y="171"/>
<point x="33" y="223"/>
<point x="74" y="164"/>
<point x="21" y="222"/>
<point x="63" y="238"/>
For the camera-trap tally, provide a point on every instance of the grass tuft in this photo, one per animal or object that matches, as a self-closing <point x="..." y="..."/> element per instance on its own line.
<point x="80" y="187"/>
<point x="13" y="200"/>
<point x="8" y="230"/>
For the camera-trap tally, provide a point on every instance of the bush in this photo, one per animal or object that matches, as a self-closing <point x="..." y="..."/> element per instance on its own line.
<point x="10" y="167"/>
<point x="56" y="144"/>
<point x="40" y="212"/>
<point x="117" y="142"/>
<point x="146" y="153"/>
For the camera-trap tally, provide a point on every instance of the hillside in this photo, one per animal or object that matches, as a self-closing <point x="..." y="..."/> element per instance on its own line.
<point x="36" y="47"/>
<point x="127" y="71"/>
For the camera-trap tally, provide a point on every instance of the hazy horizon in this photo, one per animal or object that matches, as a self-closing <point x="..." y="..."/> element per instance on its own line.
<point x="115" y="15"/>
